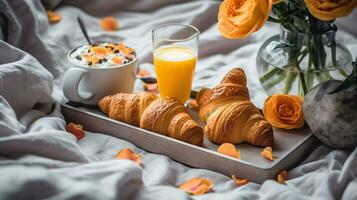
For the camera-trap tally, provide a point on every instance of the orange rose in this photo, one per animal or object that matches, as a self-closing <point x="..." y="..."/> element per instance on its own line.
<point x="284" y="111"/>
<point x="240" y="18"/>
<point x="328" y="10"/>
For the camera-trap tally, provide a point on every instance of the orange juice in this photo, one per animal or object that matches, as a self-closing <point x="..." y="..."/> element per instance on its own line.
<point x="175" y="66"/>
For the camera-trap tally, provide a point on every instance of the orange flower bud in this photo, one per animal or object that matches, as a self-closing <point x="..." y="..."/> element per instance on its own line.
<point x="240" y="18"/>
<point x="328" y="10"/>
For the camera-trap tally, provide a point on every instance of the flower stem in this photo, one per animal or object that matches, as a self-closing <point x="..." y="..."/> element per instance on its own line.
<point x="343" y="72"/>
<point x="302" y="79"/>
<point x="309" y="74"/>
<point x="274" y="82"/>
<point x="270" y="74"/>
<point x="289" y="81"/>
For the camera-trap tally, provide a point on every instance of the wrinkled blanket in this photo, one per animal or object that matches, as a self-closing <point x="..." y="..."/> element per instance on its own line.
<point x="39" y="160"/>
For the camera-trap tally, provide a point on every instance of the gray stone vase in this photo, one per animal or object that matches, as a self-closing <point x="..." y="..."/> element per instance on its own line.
<point x="332" y="117"/>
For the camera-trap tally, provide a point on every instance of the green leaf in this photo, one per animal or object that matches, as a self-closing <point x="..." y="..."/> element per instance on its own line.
<point x="350" y="82"/>
<point x="346" y="85"/>
<point x="272" y="19"/>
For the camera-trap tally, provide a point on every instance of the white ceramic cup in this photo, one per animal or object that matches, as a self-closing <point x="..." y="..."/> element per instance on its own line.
<point x="88" y="85"/>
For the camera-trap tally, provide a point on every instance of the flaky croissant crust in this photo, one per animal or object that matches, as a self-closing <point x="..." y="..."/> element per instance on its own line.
<point x="126" y="107"/>
<point x="166" y="116"/>
<point x="233" y="121"/>
<point x="230" y="115"/>
<point x="171" y="119"/>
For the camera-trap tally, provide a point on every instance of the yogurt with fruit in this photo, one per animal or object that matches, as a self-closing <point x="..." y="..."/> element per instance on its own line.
<point x="103" y="55"/>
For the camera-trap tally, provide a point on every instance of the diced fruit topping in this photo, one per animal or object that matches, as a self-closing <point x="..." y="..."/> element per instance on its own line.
<point x="103" y="54"/>
<point x="90" y="59"/>
<point x="101" y="51"/>
<point x="117" y="60"/>
<point x="125" y="50"/>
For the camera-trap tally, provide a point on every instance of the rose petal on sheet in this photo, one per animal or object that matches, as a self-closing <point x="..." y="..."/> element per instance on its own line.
<point x="197" y="186"/>
<point x="193" y="104"/>
<point x="229" y="150"/>
<point x="150" y="87"/>
<point x="144" y="73"/>
<point x="76" y="130"/>
<point x="282" y="177"/>
<point x="240" y="181"/>
<point x="128" y="154"/>
<point x="109" y="24"/>
<point x="267" y="153"/>
<point x="53" y="17"/>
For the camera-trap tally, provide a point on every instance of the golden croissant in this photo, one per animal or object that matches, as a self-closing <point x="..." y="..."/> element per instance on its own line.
<point x="230" y="116"/>
<point x="166" y="116"/>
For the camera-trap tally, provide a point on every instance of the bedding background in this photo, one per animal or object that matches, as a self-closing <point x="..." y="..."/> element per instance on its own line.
<point x="39" y="160"/>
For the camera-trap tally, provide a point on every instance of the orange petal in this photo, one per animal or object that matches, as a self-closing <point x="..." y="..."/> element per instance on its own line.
<point x="117" y="60"/>
<point x="144" y="73"/>
<point x="150" y="87"/>
<point x="267" y="153"/>
<point x="229" y="150"/>
<point x="76" y="130"/>
<point x="128" y="154"/>
<point x="109" y="24"/>
<point x="197" y="186"/>
<point x="193" y="104"/>
<point x="240" y="181"/>
<point x="125" y="50"/>
<point x="282" y="177"/>
<point x="53" y="17"/>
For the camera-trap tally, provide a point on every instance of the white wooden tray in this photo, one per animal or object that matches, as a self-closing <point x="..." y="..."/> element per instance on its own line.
<point x="290" y="146"/>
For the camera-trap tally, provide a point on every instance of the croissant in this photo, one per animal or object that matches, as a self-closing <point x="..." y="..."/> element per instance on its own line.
<point x="166" y="116"/>
<point x="230" y="115"/>
<point x="126" y="107"/>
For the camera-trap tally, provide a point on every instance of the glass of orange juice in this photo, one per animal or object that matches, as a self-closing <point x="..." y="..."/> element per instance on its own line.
<point x="175" y="48"/>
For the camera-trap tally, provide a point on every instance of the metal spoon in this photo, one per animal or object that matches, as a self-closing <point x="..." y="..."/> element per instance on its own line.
<point x="83" y="29"/>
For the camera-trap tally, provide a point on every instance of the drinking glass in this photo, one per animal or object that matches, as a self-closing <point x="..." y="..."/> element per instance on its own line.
<point x="175" y="49"/>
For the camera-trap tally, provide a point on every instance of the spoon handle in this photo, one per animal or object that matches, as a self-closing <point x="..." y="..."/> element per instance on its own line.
<point x="83" y="29"/>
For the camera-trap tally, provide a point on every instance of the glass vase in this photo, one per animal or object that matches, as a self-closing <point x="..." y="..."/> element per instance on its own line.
<point x="293" y="62"/>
